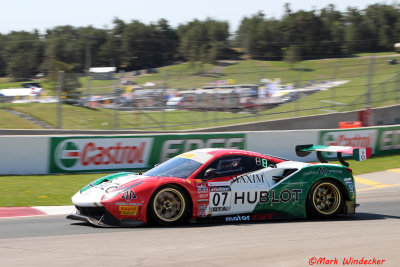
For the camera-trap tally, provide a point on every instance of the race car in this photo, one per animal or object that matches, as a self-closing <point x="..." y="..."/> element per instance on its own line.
<point x="225" y="185"/>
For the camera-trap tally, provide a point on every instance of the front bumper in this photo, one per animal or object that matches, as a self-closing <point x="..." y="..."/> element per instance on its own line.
<point x="101" y="218"/>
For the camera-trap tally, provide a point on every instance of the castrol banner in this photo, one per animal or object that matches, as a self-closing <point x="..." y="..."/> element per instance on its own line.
<point x="131" y="153"/>
<point x="79" y="154"/>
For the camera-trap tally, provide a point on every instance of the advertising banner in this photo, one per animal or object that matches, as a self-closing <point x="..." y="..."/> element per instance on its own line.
<point x="389" y="140"/>
<point x="100" y="153"/>
<point x="382" y="140"/>
<point x="79" y="154"/>
<point x="168" y="146"/>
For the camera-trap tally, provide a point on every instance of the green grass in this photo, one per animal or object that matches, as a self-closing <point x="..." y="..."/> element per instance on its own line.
<point x="46" y="190"/>
<point x="84" y="118"/>
<point x="49" y="190"/>
<point x="352" y="96"/>
<point x="179" y="76"/>
<point x="375" y="163"/>
<point x="11" y="121"/>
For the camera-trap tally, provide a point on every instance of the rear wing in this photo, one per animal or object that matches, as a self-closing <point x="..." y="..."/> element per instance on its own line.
<point x="358" y="153"/>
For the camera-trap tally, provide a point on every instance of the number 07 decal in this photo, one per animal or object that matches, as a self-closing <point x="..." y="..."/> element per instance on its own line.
<point x="220" y="198"/>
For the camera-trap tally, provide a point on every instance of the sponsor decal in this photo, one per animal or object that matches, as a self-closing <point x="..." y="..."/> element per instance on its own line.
<point x="202" y="210"/>
<point x="203" y="196"/>
<point x="202" y="187"/>
<point x="128" y="210"/>
<point x="85" y="154"/>
<point x="255" y="217"/>
<point x="249" y="178"/>
<point x="272" y="196"/>
<point x="350" y="184"/>
<point x="129" y="195"/>
<point x="220" y="188"/>
<point x="130" y="204"/>
<point x="291" y="183"/>
<point x="322" y="171"/>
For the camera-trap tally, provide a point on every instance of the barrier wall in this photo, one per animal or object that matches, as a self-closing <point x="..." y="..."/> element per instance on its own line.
<point x="71" y="154"/>
<point x="24" y="154"/>
<point x="380" y="116"/>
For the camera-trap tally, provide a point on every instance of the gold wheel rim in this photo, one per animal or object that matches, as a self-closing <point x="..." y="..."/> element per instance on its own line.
<point x="326" y="198"/>
<point x="169" y="205"/>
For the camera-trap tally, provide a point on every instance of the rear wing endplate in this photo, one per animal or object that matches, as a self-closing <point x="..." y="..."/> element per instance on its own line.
<point x="358" y="153"/>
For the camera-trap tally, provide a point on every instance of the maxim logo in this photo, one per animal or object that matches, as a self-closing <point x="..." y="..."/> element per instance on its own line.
<point x="83" y="154"/>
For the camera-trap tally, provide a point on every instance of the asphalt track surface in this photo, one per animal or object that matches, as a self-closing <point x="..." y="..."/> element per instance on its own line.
<point x="373" y="234"/>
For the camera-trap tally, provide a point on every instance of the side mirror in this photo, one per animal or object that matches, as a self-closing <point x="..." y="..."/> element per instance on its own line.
<point x="210" y="173"/>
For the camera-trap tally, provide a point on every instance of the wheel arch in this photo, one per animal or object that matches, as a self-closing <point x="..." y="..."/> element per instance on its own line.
<point x="166" y="185"/>
<point x="341" y="185"/>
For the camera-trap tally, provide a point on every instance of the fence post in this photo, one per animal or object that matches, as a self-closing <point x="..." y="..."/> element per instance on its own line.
<point x="59" y="100"/>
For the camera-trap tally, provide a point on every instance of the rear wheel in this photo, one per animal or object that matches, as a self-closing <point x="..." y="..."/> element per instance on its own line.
<point x="325" y="199"/>
<point x="169" y="205"/>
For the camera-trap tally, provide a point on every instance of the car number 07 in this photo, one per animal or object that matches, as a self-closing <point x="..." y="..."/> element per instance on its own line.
<point x="217" y="198"/>
<point x="220" y="199"/>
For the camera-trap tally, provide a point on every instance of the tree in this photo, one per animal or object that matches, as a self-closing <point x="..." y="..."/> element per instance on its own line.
<point x="3" y="65"/>
<point x="22" y="54"/>
<point x="291" y="55"/>
<point x="203" y="41"/>
<point x="64" y="44"/>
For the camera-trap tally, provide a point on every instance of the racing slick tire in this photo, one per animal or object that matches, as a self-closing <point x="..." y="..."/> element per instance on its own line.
<point x="169" y="205"/>
<point x="325" y="199"/>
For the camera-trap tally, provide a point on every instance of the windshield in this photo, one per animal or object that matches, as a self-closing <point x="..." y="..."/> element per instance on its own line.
<point x="175" y="167"/>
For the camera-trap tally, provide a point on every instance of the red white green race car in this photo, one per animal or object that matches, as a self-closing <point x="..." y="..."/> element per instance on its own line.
<point x="223" y="185"/>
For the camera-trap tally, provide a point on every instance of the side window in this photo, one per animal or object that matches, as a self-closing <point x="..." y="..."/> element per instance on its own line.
<point x="228" y="166"/>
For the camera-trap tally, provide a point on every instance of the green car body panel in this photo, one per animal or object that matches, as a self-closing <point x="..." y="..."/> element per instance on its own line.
<point x="289" y="196"/>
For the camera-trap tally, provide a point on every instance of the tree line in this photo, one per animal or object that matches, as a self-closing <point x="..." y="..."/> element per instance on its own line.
<point x="297" y="35"/>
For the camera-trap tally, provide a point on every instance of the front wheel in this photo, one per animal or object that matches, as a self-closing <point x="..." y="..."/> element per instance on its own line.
<point x="169" y="205"/>
<point x="325" y="199"/>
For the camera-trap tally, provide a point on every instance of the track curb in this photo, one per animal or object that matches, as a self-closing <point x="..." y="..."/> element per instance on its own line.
<point x="12" y="212"/>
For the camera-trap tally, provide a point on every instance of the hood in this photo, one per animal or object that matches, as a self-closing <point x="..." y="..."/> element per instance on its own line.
<point x="108" y="186"/>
